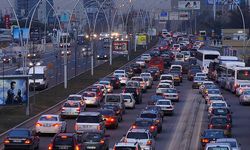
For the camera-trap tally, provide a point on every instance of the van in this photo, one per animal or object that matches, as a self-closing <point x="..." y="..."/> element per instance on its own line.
<point x="116" y="99"/>
<point x="39" y="77"/>
<point x="179" y="67"/>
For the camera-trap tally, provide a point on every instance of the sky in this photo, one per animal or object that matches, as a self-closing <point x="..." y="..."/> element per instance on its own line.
<point x="152" y="5"/>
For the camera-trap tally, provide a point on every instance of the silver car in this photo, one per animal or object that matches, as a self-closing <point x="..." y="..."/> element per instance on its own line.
<point x="71" y="109"/>
<point x="245" y="97"/>
<point x="232" y="141"/>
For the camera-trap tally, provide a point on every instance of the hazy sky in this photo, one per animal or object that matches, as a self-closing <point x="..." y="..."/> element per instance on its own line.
<point x="153" y="5"/>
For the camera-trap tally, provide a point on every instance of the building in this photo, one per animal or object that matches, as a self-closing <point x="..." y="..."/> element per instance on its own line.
<point x="45" y="12"/>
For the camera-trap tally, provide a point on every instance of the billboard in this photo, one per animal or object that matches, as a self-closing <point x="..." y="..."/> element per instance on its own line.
<point x="173" y="16"/>
<point x="163" y="16"/>
<point x="17" y="33"/>
<point x="151" y="32"/>
<point x="120" y="47"/>
<point x="189" y="5"/>
<point x="7" y="21"/>
<point x="141" y="39"/>
<point x="13" y="90"/>
<point x="183" y="15"/>
<point x="222" y="2"/>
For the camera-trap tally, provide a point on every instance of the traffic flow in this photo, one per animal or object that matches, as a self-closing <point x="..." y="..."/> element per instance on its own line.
<point x="180" y="94"/>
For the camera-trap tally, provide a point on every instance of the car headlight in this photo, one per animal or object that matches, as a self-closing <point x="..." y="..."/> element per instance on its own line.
<point x="98" y="56"/>
<point x="83" y="49"/>
<point x="105" y="55"/>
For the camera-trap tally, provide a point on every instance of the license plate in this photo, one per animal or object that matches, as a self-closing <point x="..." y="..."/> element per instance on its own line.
<point x="63" y="147"/>
<point x="91" y="147"/>
<point x="17" y="141"/>
<point x="47" y="125"/>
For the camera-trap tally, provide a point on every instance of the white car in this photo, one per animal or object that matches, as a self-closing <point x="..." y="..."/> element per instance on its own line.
<point x="141" y="62"/>
<point x="168" y="77"/>
<point x="142" y="82"/>
<point x="142" y="136"/>
<point x="76" y="98"/>
<point x="201" y="74"/>
<point x="146" y="57"/>
<point x="217" y="104"/>
<point x="91" y="98"/>
<point x="166" y="106"/>
<point x="50" y="124"/>
<point x="218" y="146"/>
<point x="242" y="87"/>
<point x="108" y="86"/>
<point x="119" y="72"/>
<point x="102" y="87"/>
<point x="164" y="85"/>
<point x="123" y="78"/>
<point x="171" y="94"/>
<point x="149" y="81"/>
<point x="71" y="109"/>
<point x="129" y="100"/>
<point x="232" y="141"/>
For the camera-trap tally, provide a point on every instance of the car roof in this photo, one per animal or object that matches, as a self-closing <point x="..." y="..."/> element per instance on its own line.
<point x="139" y="130"/>
<point x="89" y="114"/>
<point x="50" y="115"/>
<point x="148" y="111"/>
<point x="130" y="144"/>
<point x="66" y="134"/>
<point x="164" y="100"/>
<point x="75" y="95"/>
<point x="217" y="144"/>
<point x="226" y="139"/>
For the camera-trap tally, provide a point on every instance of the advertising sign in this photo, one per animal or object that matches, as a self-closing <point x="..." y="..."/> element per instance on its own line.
<point x="183" y="15"/>
<point x="17" y="33"/>
<point x="7" y="21"/>
<point x="189" y="5"/>
<point x="141" y="39"/>
<point x="151" y="32"/>
<point x="173" y="16"/>
<point x="120" y="47"/>
<point x="13" y="90"/>
<point x="64" y="17"/>
<point x="223" y="2"/>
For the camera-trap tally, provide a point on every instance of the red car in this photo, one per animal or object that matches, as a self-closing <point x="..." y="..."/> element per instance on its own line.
<point x="157" y="62"/>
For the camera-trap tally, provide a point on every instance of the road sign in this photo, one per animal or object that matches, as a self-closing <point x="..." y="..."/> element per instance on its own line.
<point x="151" y="32"/>
<point x="189" y="5"/>
<point x="223" y="2"/>
<point x="163" y="16"/>
<point x="183" y="15"/>
<point x="141" y="39"/>
<point x="120" y="47"/>
<point x="173" y="16"/>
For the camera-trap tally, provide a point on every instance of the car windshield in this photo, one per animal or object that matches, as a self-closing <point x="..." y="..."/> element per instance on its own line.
<point x="37" y="76"/>
<point x="163" y="103"/>
<point x="200" y="75"/>
<point x="220" y="111"/>
<point x="247" y="92"/>
<point x="137" y="135"/>
<point x="92" y="137"/>
<point x="244" y="85"/>
<point x="104" y="82"/>
<point x="219" y="121"/>
<point x="87" y="119"/>
<point x="63" y="141"/>
<point x="92" y="89"/>
<point x="166" y="78"/>
<point x="88" y="94"/>
<point x="199" y="78"/>
<point x="48" y="118"/>
<point x="119" y="71"/>
<point x="74" y="98"/>
<point x="137" y="79"/>
<point x="170" y="91"/>
<point x="19" y="133"/>
<point x="148" y="115"/>
<point x="214" y="134"/>
<point x="132" y="84"/>
<point x="213" y="92"/>
<point x="126" y="96"/>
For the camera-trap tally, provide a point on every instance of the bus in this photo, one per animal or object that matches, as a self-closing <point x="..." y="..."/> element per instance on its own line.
<point x="204" y="57"/>
<point x="65" y="40"/>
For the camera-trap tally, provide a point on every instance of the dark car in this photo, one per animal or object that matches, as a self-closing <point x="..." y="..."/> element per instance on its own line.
<point x="148" y="124"/>
<point x="210" y="135"/>
<point x="222" y="112"/>
<point x="155" y="72"/>
<point x="114" y="81"/>
<point x="95" y="140"/>
<point x="137" y="93"/>
<point x="67" y="141"/>
<point x="220" y="122"/>
<point x="191" y="73"/>
<point x="156" y="116"/>
<point x="21" y="139"/>
<point x="129" y="71"/>
<point x="116" y="109"/>
<point x="111" y="120"/>
<point x="154" y="99"/>
<point x="156" y="109"/>
<point x="102" y="56"/>
<point x="136" y="68"/>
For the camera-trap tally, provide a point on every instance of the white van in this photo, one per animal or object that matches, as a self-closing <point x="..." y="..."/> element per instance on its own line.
<point x="39" y="74"/>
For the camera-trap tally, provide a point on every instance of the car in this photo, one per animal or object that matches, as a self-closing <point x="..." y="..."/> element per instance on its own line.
<point x="204" y="84"/>
<point x="107" y="84"/>
<point x="50" y="124"/>
<point x="102" y="87"/>
<point x="245" y="97"/>
<point x="164" y="86"/>
<point x="223" y="111"/>
<point x="171" y="94"/>
<point x="148" y="124"/>
<point x="91" y="98"/>
<point x="136" y="68"/>
<point x="77" y="98"/>
<point x="154" y="115"/>
<point x="114" y="80"/>
<point x="142" y="82"/>
<point x="167" y="77"/>
<point x="95" y="140"/>
<point x="166" y="106"/>
<point x="129" y="71"/>
<point x="148" y="78"/>
<point x="111" y="120"/>
<point x="204" y="92"/>
<point x="66" y="141"/>
<point x="242" y="87"/>
<point x="217" y="104"/>
<point x="123" y="78"/>
<point x="71" y="109"/>
<point x="141" y="136"/>
<point x="115" y="99"/>
<point x="232" y="141"/>
<point x="210" y="92"/>
<point x="96" y="89"/>
<point x="68" y="52"/>
<point x="197" y="82"/>
<point x="141" y="62"/>
<point x="155" y="72"/>
<point x="102" y="56"/>
<point x="211" y="98"/>
<point x="116" y="109"/>
<point x="177" y="75"/>
<point x="211" y="135"/>
<point x="154" y="99"/>
<point x="90" y="121"/>
<point x="127" y="146"/>
<point x="129" y="100"/>
<point x="146" y="57"/>
<point x="119" y="71"/>
<point x="216" y="146"/>
<point x="21" y="138"/>
<point x="176" y="66"/>
<point x="191" y="73"/>
<point x="220" y="122"/>
<point x="135" y="91"/>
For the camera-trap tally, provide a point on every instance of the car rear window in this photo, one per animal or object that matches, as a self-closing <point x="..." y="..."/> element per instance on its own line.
<point x="143" y="123"/>
<point x="87" y="119"/>
<point x="19" y="133"/>
<point x="126" y="97"/>
<point x="137" y="79"/>
<point x="88" y="94"/>
<point x="72" y="105"/>
<point x="214" y="134"/>
<point x="148" y="115"/>
<point x="125" y="148"/>
<point x="48" y="118"/>
<point x="220" y="111"/>
<point x="112" y="98"/>
<point x="166" y="78"/>
<point x="63" y="142"/>
<point x="219" y="121"/>
<point x="218" y="148"/>
<point x="137" y="135"/>
<point x="74" y="98"/>
<point x="163" y="102"/>
<point x="92" y="137"/>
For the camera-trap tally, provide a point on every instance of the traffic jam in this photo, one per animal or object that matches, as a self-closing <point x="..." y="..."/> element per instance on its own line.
<point x="102" y="107"/>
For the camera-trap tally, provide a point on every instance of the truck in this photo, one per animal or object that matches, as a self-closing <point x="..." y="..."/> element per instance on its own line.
<point x="39" y="78"/>
<point x="157" y="62"/>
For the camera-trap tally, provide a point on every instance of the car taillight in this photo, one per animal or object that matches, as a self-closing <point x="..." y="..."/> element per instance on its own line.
<point x="78" y="109"/>
<point x="102" y="141"/>
<point x="204" y="140"/>
<point x="133" y="126"/>
<point x="77" y="147"/>
<point x="210" y="126"/>
<point x="56" y="125"/>
<point x="152" y="128"/>
<point x="123" y="91"/>
<point x="98" y="127"/>
<point x="27" y="141"/>
<point x="76" y="127"/>
<point x="137" y="91"/>
<point x="50" y="147"/>
<point x="6" y="141"/>
<point x="63" y="108"/>
<point x="38" y="124"/>
<point x="228" y="126"/>
<point x="149" y="142"/>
